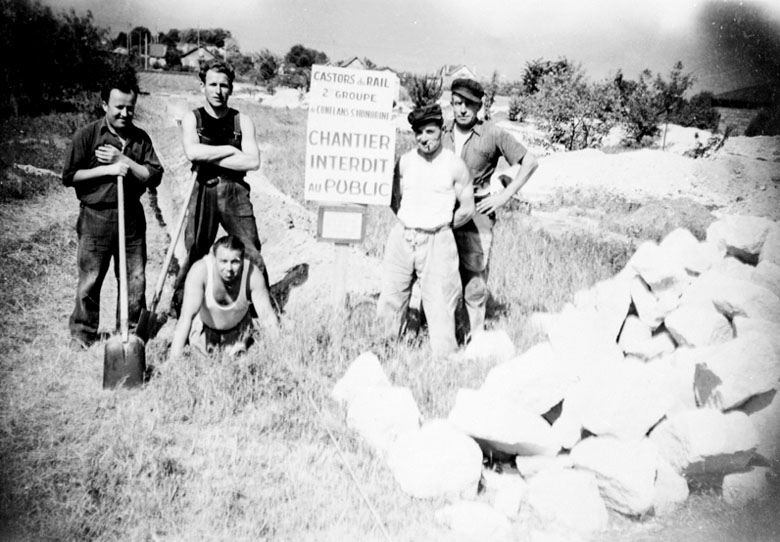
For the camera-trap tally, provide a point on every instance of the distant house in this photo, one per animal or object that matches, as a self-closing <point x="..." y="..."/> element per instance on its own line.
<point x="193" y="58"/>
<point x="119" y="50"/>
<point x="353" y="63"/>
<point x="157" y="52"/>
<point x="449" y="72"/>
<point x="754" y="97"/>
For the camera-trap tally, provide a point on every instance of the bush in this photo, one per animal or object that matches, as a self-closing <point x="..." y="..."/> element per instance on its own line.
<point x="766" y="122"/>
<point x="518" y="107"/>
<point x="491" y="88"/>
<point x="698" y="113"/>
<point x="424" y="89"/>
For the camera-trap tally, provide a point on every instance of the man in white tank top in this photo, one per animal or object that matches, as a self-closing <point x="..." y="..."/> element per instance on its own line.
<point x="428" y="182"/>
<point x="220" y="292"/>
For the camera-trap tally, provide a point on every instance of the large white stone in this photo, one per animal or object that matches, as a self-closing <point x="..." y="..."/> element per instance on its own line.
<point x="729" y="374"/>
<point x="532" y="465"/>
<point x="625" y="402"/>
<point x="436" y="460"/>
<point x="740" y="488"/>
<point x="583" y="343"/>
<point x="569" y="498"/>
<point x="679" y="369"/>
<point x="770" y="250"/>
<point x="365" y="372"/>
<point x="473" y="521"/>
<point x="634" y="334"/>
<point x="743" y="298"/>
<point x="493" y="344"/>
<point x="659" y="271"/>
<point x="744" y="327"/>
<point x="706" y="441"/>
<point x="501" y="427"/>
<point x="698" y="325"/>
<point x="610" y="299"/>
<point x="734" y="268"/>
<point x="625" y="471"/>
<point x="648" y="307"/>
<point x="659" y="344"/>
<point x="743" y="236"/>
<point x="382" y="413"/>
<point x="767" y="274"/>
<point x="695" y="257"/>
<point x="505" y="491"/>
<point x="671" y="489"/>
<point x="764" y="412"/>
<point x="535" y="381"/>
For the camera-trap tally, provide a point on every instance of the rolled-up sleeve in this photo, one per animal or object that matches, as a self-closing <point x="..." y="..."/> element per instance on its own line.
<point x="512" y="150"/>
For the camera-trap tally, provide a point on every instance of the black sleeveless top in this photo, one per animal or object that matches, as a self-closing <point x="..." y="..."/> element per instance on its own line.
<point x="214" y="131"/>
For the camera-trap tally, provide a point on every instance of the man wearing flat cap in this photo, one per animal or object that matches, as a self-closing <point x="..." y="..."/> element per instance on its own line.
<point x="427" y="184"/>
<point x="481" y="144"/>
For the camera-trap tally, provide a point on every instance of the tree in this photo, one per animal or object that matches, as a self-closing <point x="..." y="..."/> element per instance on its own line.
<point x="138" y="37"/>
<point x="423" y="89"/>
<point x="535" y="70"/>
<point x="572" y="110"/>
<point x="303" y="57"/>
<point x="490" y="94"/>
<point x="670" y="96"/>
<point x="267" y="65"/>
<point x="640" y="111"/>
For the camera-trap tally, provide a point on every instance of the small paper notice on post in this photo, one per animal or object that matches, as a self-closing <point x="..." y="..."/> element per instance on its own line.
<point x="341" y="224"/>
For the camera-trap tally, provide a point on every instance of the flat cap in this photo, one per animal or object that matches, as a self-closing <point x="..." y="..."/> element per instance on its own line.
<point x="425" y="114"/>
<point x="468" y="89"/>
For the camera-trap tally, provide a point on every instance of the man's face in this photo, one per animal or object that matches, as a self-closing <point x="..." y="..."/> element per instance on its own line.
<point x="428" y="138"/>
<point x="465" y="111"/>
<point x="120" y="109"/>
<point x="217" y="88"/>
<point x="229" y="264"/>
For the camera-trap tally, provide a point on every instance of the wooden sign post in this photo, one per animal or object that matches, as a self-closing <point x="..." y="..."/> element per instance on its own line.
<point x="350" y="155"/>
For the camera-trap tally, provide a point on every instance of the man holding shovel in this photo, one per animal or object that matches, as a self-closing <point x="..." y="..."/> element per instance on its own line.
<point x="99" y="153"/>
<point x="481" y="145"/>
<point x="221" y="292"/>
<point x="220" y="142"/>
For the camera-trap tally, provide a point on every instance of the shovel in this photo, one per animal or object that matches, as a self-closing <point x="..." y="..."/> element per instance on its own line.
<point x="147" y="320"/>
<point x="124" y="363"/>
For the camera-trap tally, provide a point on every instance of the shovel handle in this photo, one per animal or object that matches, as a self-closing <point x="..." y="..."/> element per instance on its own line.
<point x="174" y="239"/>
<point x="123" y="317"/>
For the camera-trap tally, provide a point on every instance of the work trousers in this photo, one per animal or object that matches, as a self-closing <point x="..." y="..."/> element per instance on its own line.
<point x="98" y="234"/>
<point x="224" y="203"/>
<point x="474" y="240"/>
<point x="432" y="258"/>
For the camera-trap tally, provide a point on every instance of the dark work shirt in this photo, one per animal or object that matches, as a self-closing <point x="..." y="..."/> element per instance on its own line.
<point x="102" y="190"/>
<point x="482" y="150"/>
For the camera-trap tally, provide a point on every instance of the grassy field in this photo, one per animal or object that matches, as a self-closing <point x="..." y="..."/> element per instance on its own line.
<point x="220" y="450"/>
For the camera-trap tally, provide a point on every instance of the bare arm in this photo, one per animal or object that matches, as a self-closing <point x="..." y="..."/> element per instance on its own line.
<point x="261" y="300"/>
<point x="248" y="159"/>
<point x="194" y="288"/>
<point x="527" y="168"/>
<point x="464" y="192"/>
<point x="194" y="150"/>
<point x="227" y="156"/>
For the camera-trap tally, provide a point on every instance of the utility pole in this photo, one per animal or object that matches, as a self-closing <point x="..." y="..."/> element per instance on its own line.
<point x="146" y="51"/>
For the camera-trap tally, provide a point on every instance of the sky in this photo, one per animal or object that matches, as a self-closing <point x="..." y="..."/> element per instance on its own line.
<point x="726" y="44"/>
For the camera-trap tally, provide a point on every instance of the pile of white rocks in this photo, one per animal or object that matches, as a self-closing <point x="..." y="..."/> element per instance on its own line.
<point x="661" y="379"/>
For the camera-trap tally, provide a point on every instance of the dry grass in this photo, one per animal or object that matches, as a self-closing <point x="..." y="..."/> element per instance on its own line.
<point x="217" y="450"/>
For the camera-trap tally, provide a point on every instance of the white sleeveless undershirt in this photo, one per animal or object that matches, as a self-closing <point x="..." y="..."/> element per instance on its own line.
<point x="427" y="190"/>
<point x="224" y="317"/>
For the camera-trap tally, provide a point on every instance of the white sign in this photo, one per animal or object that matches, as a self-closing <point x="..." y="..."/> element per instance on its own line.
<point x="341" y="224"/>
<point x="350" y="136"/>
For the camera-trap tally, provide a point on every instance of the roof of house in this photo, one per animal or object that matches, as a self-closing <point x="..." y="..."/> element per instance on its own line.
<point x="747" y="97"/>
<point x="205" y="52"/>
<point x="449" y="69"/>
<point x="158" y="49"/>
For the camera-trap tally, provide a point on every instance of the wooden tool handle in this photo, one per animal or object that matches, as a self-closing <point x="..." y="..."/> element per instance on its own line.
<point x="123" y="317"/>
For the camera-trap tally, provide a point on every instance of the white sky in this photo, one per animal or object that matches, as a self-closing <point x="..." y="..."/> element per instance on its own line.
<point x="421" y="35"/>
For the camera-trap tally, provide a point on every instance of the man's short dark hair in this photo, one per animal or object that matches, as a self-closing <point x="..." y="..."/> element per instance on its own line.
<point x="229" y="242"/>
<point x="123" y="81"/>
<point x="219" y="66"/>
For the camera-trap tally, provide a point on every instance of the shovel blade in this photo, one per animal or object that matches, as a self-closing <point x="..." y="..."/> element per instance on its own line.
<point x="124" y="363"/>
<point x="146" y="322"/>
